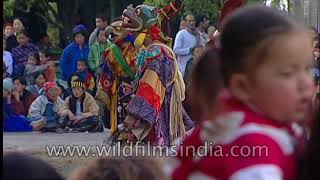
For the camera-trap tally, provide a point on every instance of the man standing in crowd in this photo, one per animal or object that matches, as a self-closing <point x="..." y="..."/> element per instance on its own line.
<point x="202" y="23"/>
<point x="101" y="23"/>
<point x="186" y="40"/>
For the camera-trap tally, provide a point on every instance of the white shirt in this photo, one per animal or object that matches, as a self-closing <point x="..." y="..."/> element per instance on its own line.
<point x="183" y="44"/>
<point x="78" y="108"/>
<point x="7" y="58"/>
<point x="203" y="38"/>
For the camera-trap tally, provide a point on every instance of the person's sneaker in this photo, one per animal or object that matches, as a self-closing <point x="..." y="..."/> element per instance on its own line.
<point x="66" y="129"/>
<point x="75" y="130"/>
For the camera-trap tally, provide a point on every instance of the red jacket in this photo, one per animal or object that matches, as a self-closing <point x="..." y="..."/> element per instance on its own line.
<point x="22" y="107"/>
<point x="245" y="145"/>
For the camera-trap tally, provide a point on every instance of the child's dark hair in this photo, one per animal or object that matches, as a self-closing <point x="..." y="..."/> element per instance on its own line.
<point x="102" y="16"/>
<point x="73" y="100"/>
<point x="73" y="74"/>
<point x="203" y="92"/>
<point x="44" y="51"/>
<point x="35" y="55"/>
<point x="83" y="61"/>
<point x="98" y="31"/>
<point x="39" y="74"/>
<point x="249" y="32"/>
<point x="29" y="167"/>
<point x="200" y="18"/>
<point x="24" y="32"/>
<point x="22" y="80"/>
<point x="118" y="168"/>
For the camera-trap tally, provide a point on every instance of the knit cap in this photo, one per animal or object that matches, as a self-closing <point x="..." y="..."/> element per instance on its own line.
<point x="80" y="29"/>
<point x="78" y="83"/>
<point x="49" y="85"/>
<point x="7" y="84"/>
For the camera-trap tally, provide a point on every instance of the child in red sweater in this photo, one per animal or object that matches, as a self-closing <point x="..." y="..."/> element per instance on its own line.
<point x="253" y="132"/>
<point x="85" y="75"/>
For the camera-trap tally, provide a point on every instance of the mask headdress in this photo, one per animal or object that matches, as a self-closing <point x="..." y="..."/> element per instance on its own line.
<point x="146" y="19"/>
<point x="165" y="15"/>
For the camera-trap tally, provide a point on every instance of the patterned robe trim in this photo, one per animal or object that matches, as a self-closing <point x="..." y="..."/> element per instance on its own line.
<point x="152" y="79"/>
<point x="121" y="61"/>
<point x="149" y="54"/>
<point x="139" y="107"/>
<point x="146" y="92"/>
<point x="176" y="124"/>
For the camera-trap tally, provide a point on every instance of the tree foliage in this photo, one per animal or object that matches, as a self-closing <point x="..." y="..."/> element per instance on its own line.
<point x="157" y="3"/>
<point x="202" y="7"/>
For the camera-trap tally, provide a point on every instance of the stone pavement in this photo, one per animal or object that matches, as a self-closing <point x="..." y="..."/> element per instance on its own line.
<point x="35" y="141"/>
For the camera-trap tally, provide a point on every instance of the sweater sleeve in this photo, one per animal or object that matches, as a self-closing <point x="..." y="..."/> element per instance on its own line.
<point x="63" y="111"/>
<point x="178" y="48"/>
<point x="91" y="59"/>
<point x="35" y="109"/>
<point x="19" y="108"/>
<point x="35" y="69"/>
<point x="65" y="60"/>
<point x="93" y="106"/>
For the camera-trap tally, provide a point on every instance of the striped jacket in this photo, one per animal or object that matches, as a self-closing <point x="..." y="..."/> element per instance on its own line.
<point x="241" y="144"/>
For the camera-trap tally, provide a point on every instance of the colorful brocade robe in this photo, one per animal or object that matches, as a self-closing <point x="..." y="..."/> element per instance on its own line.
<point x="121" y="63"/>
<point x="153" y="92"/>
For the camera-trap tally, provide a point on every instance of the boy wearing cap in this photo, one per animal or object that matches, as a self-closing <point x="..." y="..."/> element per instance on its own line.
<point x="80" y="110"/>
<point x="47" y="106"/>
<point x="86" y="76"/>
<point x="76" y="50"/>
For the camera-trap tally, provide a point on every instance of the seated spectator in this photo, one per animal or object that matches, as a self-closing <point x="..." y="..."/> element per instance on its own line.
<point x="32" y="67"/>
<point x="74" y="51"/>
<point x="21" y="52"/>
<point x="37" y="88"/>
<point x="7" y="58"/>
<point x="47" y="106"/>
<point x="30" y="168"/>
<point x="11" y="121"/>
<point x="74" y="76"/>
<point x="97" y="50"/>
<point x="45" y="58"/>
<point x="80" y="110"/>
<point x="118" y="168"/>
<point x="63" y="93"/>
<point x="10" y="37"/>
<point x="86" y="76"/>
<point x="21" y="97"/>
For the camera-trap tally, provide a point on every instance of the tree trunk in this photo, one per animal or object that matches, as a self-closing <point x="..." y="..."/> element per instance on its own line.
<point x="68" y="13"/>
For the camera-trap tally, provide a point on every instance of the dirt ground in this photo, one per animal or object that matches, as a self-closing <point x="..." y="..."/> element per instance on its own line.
<point x="34" y="143"/>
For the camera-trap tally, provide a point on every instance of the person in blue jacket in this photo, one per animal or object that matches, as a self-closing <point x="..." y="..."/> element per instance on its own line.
<point x="76" y="50"/>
